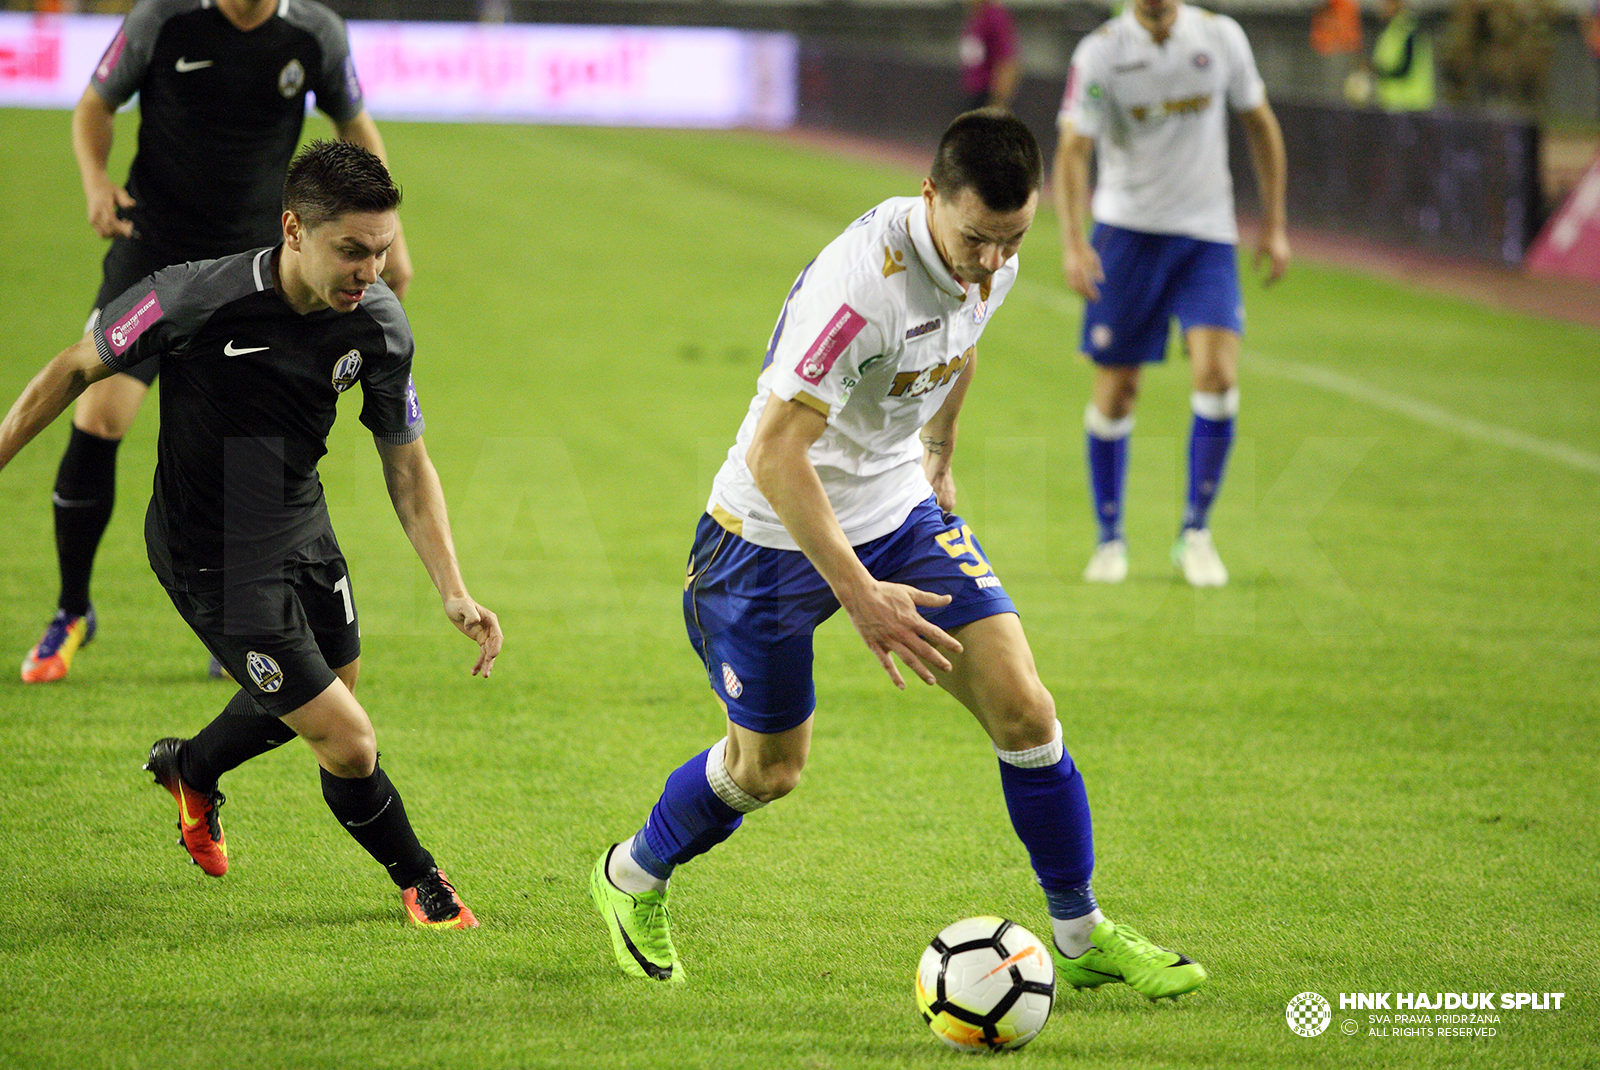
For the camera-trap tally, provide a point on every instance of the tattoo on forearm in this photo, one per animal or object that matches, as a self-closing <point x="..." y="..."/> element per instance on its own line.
<point x="935" y="445"/>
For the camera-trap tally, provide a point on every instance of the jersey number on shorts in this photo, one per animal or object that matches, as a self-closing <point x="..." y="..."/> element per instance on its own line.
<point x="958" y="542"/>
<point x="343" y="587"/>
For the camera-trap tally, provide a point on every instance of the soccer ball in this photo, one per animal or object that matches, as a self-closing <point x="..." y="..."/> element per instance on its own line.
<point x="985" y="984"/>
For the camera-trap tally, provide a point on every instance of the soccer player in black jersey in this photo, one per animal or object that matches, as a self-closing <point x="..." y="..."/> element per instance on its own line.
<point x="222" y="90"/>
<point x="258" y="347"/>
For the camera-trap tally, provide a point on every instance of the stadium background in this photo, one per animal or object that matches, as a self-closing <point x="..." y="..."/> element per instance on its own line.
<point x="1367" y="765"/>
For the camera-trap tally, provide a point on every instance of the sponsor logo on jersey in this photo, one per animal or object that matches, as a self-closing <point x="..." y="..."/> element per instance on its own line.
<point x="346" y="371"/>
<point x="1201" y="60"/>
<point x="292" y="78"/>
<point x="127" y="330"/>
<point x="1129" y="68"/>
<point x="894" y="261"/>
<point x="264" y="672"/>
<point x="834" y="339"/>
<point x="184" y="65"/>
<point x="231" y="350"/>
<point x="730" y="681"/>
<point x="413" y="406"/>
<point x="918" y="331"/>
<point x="108" y="62"/>
<point x="915" y="384"/>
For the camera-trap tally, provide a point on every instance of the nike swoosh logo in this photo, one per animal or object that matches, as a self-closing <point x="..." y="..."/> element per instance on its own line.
<point x="231" y="350"/>
<point x="656" y="973"/>
<point x="184" y="66"/>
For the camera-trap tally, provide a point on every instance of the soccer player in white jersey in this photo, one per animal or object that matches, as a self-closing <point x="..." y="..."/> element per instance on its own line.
<point x="1149" y="93"/>
<point x="838" y="492"/>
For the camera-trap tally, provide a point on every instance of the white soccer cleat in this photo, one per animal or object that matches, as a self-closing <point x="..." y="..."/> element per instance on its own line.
<point x="1197" y="559"/>
<point x="1109" y="563"/>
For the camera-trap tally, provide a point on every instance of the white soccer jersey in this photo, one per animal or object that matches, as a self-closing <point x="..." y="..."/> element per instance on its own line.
<point x="874" y="334"/>
<point x="1157" y="117"/>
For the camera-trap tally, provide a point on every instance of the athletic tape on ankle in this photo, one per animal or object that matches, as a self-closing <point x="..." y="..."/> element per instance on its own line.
<point x="1215" y="406"/>
<point x="1104" y="427"/>
<point x="721" y="783"/>
<point x="1035" y="757"/>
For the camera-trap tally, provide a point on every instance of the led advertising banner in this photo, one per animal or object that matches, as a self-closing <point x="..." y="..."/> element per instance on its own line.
<point x="471" y="71"/>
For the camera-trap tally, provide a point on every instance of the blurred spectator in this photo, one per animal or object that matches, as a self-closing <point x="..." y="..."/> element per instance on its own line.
<point x="1497" y="53"/>
<point x="989" y="67"/>
<point x="1336" y="29"/>
<point x="1402" y="62"/>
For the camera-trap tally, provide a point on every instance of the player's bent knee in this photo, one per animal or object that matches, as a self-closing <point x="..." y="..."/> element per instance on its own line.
<point x="1027" y="719"/>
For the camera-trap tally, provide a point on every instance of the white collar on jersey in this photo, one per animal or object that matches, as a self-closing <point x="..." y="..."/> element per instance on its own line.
<point x="283" y="7"/>
<point x="255" y="266"/>
<point x="922" y="239"/>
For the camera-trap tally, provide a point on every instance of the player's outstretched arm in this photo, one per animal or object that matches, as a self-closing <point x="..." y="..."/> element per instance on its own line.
<point x="93" y="125"/>
<point x="939" y="439"/>
<point x="418" y="500"/>
<point x="1070" y="192"/>
<point x="1271" y="164"/>
<point x="48" y="395"/>
<point x="361" y="130"/>
<point x="885" y="614"/>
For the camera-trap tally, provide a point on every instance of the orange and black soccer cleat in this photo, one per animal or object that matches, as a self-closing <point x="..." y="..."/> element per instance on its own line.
<point x="197" y="811"/>
<point x="52" y="656"/>
<point x="433" y="904"/>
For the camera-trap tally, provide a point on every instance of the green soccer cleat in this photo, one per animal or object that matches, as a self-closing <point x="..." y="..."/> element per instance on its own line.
<point x="641" y="930"/>
<point x="1117" y="953"/>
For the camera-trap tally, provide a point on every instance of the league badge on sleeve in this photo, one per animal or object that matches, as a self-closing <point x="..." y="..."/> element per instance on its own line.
<point x="413" y="406"/>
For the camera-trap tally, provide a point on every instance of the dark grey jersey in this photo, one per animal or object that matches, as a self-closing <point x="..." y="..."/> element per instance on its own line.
<point x="249" y="392"/>
<point x="221" y="111"/>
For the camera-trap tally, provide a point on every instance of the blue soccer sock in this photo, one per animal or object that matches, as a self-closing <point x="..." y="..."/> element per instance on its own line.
<point x="1210" y="438"/>
<point x="1107" y="446"/>
<point x="698" y="809"/>
<point x="1050" y="812"/>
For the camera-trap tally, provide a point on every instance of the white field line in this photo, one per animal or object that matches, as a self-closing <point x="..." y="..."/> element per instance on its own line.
<point x="1400" y="404"/>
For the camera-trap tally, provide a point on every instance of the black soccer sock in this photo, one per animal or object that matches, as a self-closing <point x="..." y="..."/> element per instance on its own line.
<point x="370" y="809"/>
<point x="240" y="732"/>
<point x="86" y="490"/>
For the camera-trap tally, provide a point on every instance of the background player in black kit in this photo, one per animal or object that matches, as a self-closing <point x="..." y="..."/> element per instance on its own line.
<point x="222" y="90"/>
<point x="258" y="347"/>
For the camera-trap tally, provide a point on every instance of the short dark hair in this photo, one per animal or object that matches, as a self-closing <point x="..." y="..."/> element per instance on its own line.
<point x="993" y="152"/>
<point x="329" y="178"/>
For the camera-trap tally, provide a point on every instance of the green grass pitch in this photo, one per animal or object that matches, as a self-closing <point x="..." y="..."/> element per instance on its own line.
<point x="1367" y="765"/>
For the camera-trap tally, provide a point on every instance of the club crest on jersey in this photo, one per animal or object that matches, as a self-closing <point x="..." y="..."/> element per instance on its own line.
<point x="347" y="370"/>
<point x="292" y="78"/>
<point x="264" y="672"/>
<point x="980" y="311"/>
<point x="1202" y="60"/>
<point x="730" y="682"/>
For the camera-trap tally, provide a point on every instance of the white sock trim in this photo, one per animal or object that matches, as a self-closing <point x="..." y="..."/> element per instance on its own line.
<point x="1215" y="406"/>
<point x="1104" y="427"/>
<point x="721" y="783"/>
<point x="1035" y="757"/>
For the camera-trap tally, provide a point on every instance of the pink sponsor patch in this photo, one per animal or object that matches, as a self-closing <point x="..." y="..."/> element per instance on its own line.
<point x="123" y="333"/>
<point x="108" y="62"/>
<point x="834" y="339"/>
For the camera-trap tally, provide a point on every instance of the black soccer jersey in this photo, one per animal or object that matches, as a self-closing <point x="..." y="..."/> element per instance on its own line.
<point x="249" y="392"/>
<point x="221" y="111"/>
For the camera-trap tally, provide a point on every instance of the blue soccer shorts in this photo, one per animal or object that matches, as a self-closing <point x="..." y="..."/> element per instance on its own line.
<point x="1149" y="279"/>
<point x="751" y="610"/>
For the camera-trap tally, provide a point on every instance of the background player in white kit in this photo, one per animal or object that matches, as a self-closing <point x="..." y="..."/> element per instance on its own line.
<point x="1149" y="91"/>
<point x="837" y="492"/>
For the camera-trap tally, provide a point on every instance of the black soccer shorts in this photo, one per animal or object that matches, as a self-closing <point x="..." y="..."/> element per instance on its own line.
<point x="281" y="639"/>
